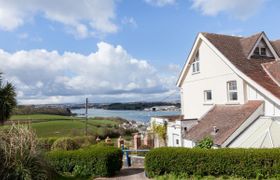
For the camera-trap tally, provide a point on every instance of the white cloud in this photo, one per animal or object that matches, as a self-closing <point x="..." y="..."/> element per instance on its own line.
<point x="42" y="76"/>
<point x="160" y="3"/>
<point x="241" y="9"/>
<point x="84" y="17"/>
<point x="129" y="21"/>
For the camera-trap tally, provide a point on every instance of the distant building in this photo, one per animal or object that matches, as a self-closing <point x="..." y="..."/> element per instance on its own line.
<point x="230" y="91"/>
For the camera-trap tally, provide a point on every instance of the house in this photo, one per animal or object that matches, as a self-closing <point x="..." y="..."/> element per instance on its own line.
<point x="230" y="91"/>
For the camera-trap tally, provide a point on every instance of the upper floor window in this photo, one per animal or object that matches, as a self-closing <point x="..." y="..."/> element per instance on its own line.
<point x="207" y="95"/>
<point x="263" y="51"/>
<point x="260" y="51"/>
<point x="195" y="64"/>
<point x="232" y="91"/>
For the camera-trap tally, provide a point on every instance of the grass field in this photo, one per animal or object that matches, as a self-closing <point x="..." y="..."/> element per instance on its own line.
<point x="60" y="126"/>
<point x="35" y="117"/>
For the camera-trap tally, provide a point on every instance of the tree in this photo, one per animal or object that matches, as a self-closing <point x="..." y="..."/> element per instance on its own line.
<point x="7" y="100"/>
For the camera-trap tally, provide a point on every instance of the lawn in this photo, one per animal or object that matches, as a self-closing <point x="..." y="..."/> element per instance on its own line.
<point x="34" y="117"/>
<point x="60" y="126"/>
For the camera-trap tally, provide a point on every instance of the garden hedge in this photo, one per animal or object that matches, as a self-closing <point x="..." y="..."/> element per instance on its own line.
<point x="247" y="163"/>
<point x="91" y="161"/>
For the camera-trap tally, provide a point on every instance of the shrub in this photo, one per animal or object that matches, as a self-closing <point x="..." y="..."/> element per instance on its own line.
<point x="247" y="163"/>
<point x="65" y="144"/>
<point x="92" y="161"/>
<point x="205" y="143"/>
<point x="46" y="143"/>
<point x="19" y="155"/>
<point x="84" y="141"/>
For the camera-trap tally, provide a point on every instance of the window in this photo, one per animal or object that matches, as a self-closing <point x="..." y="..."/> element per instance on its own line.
<point x="263" y="51"/>
<point x="260" y="51"/>
<point x="257" y="51"/>
<point x="195" y="64"/>
<point x="232" y="91"/>
<point x="208" y="95"/>
<point x="177" y="141"/>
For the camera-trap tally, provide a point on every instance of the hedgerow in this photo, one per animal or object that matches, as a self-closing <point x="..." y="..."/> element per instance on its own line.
<point x="91" y="161"/>
<point x="247" y="163"/>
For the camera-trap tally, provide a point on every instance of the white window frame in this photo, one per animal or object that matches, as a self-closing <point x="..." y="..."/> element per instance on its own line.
<point x="230" y="91"/>
<point x="206" y="97"/>
<point x="195" y="64"/>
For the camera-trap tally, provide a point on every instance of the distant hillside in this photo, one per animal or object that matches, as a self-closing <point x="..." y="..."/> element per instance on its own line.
<point x="138" y="105"/>
<point x="31" y="109"/>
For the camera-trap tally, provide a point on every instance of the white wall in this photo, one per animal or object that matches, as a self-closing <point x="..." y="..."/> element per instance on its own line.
<point x="214" y="75"/>
<point x="263" y="133"/>
<point x="270" y="108"/>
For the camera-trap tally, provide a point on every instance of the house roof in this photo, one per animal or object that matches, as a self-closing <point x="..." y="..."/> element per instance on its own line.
<point x="276" y="46"/>
<point x="226" y="118"/>
<point x="236" y="50"/>
<point x="273" y="69"/>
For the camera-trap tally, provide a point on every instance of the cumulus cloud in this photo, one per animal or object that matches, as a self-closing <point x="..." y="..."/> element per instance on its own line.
<point x="238" y="8"/>
<point x="160" y="3"/>
<point x="83" y="17"/>
<point x="46" y="76"/>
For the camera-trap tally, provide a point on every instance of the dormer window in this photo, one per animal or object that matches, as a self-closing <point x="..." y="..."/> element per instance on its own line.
<point x="195" y="64"/>
<point x="263" y="51"/>
<point x="260" y="51"/>
<point x="257" y="51"/>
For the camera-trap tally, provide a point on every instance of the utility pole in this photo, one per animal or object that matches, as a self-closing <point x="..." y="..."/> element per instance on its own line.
<point x="86" y="116"/>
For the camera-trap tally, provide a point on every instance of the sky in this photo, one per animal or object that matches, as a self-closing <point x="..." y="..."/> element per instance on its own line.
<point x="62" y="51"/>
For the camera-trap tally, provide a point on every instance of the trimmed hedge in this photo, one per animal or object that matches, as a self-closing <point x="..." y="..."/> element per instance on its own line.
<point x="91" y="161"/>
<point x="82" y="141"/>
<point x="65" y="143"/>
<point x="247" y="163"/>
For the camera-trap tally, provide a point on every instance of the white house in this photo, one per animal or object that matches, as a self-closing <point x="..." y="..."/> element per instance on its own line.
<point x="230" y="90"/>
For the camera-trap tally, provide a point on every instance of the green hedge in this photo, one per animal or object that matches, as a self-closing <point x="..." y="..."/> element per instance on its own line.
<point x="82" y="141"/>
<point x="91" y="161"/>
<point x="247" y="163"/>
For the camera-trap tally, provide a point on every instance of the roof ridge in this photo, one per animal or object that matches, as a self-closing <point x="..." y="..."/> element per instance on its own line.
<point x="218" y="34"/>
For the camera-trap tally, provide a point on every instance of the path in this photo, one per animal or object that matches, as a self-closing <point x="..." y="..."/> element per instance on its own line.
<point x="128" y="174"/>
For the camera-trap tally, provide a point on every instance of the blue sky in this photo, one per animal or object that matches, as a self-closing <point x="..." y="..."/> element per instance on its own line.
<point x="114" y="50"/>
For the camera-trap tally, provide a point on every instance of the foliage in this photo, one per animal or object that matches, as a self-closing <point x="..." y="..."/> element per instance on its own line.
<point x="46" y="143"/>
<point x="205" y="143"/>
<point x="65" y="143"/>
<point x="92" y="161"/>
<point x="82" y="141"/>
<point x="247" y="163"/>
<point x="31" y="109"/>
<point x="7" y="100"/>
<point x="160" y="130"/>
<point x="20" y="158"/>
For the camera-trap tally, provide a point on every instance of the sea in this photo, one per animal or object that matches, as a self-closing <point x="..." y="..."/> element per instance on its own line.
<point x="140" y="116"/>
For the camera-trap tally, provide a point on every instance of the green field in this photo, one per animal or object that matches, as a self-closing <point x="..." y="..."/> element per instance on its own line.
<point x="35" y="117"/>
<point x="60" y="126"/>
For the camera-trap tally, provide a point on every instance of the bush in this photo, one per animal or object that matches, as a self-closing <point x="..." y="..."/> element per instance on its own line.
<point x="92" y="161"/>
<point x="205" y="143"/>
<point x="65" y="144"/>
<point x="19" y="155"/>
<point x="46" y="143"/>
<point x="84" y="141"/>
<point x="247" y="163"/>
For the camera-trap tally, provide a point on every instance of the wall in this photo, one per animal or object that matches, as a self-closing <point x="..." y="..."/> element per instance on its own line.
<point x="214" y="75"/>
<point x="271" y="109"/>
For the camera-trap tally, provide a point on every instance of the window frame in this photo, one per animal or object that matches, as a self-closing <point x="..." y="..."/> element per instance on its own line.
<point x="205" y="92"/>
<point x="230" y="91"/>
<point x="261" y="52"/>
<point x="196" y="65"/>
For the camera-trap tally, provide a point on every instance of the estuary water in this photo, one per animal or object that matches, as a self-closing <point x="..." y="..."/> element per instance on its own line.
<point x="141" y="116"/>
